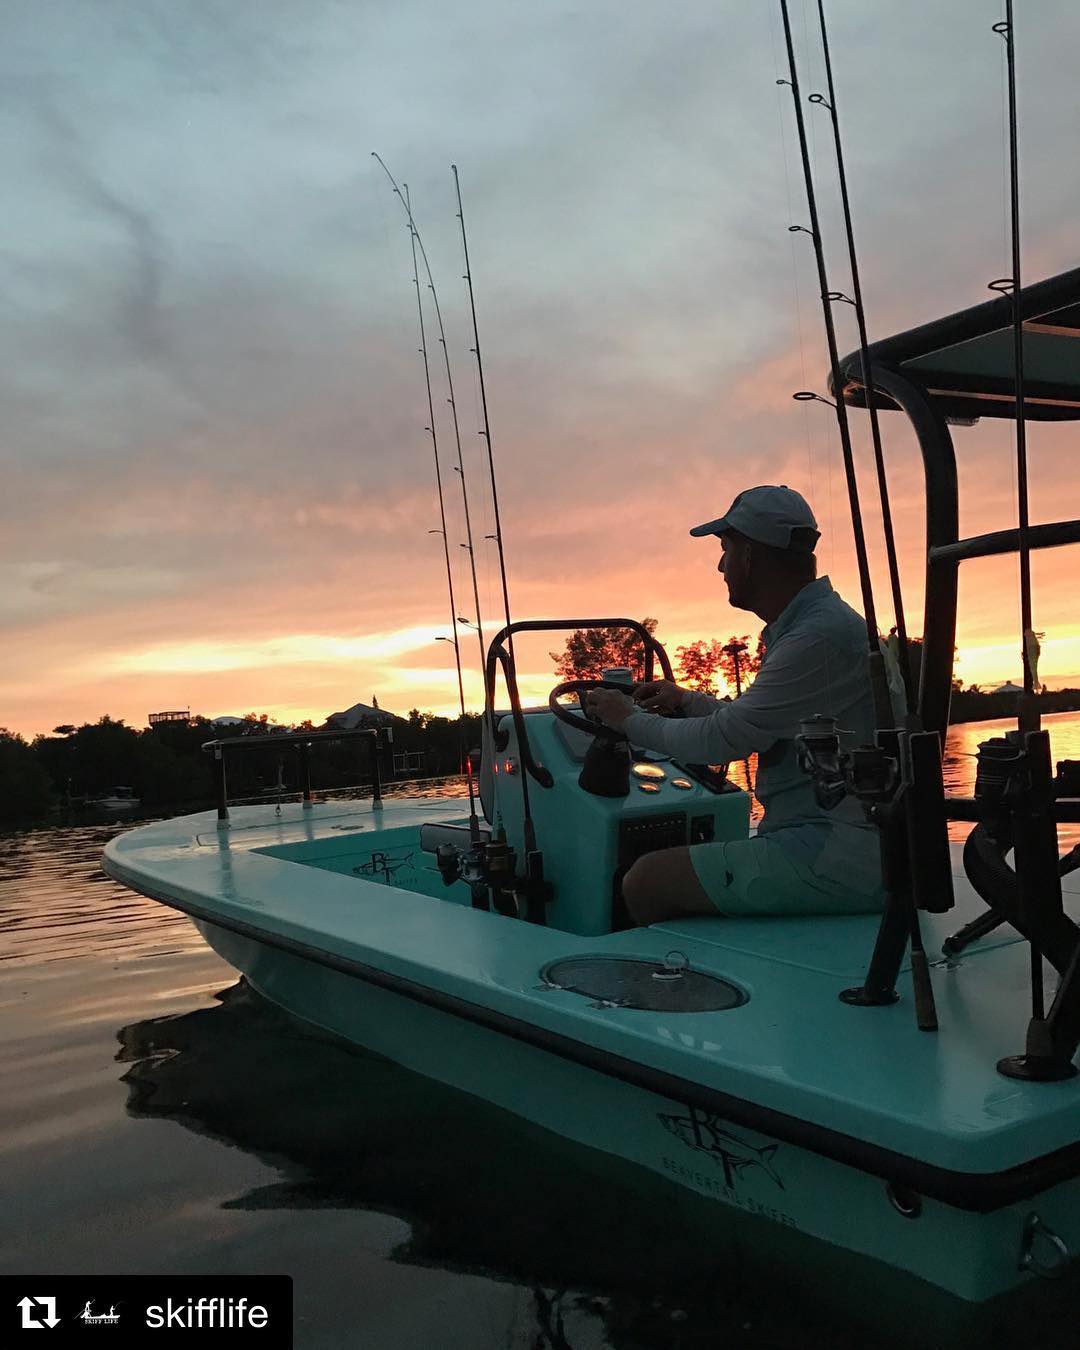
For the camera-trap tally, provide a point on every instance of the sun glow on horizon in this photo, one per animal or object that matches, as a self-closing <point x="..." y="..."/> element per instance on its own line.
<point x="190" y="658"/>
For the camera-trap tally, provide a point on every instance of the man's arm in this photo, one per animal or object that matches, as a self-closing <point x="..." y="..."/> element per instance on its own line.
<point x="695" y="704"/>
<point x="793" y="683"/>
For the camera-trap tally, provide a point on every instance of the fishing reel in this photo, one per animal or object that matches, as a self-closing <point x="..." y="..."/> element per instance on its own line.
<point x="489" y="869"/>
<point x="867" y="772"/>
<point x="455" y="863"/>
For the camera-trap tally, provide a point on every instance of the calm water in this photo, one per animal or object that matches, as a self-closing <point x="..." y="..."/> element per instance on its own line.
<point x="157" y="1116"/>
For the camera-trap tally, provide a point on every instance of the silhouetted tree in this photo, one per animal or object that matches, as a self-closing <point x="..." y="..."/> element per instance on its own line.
<point x="700" y="663"/>
<point x="591" y="651"/>
<point x="25" y="790"/>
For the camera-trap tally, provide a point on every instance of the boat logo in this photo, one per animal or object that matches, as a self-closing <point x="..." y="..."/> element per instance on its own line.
<point x="90" y="1318"/>
<point x="709" y="1134"/>
<point x="383" y="865"/>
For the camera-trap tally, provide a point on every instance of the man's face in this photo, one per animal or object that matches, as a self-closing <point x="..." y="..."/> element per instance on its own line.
<point x="734" y="567"/>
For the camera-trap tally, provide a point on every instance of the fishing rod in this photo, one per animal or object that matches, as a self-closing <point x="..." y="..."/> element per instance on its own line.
<point x="901" y="913"/>
<point x="882" y="709"/>
<point x="1028" y="720"/>
<point x="864" y="359"/>
<point x="1029" y="716"/>
<point x="534" y="859"/>
<point x="485" y="432"/>
<point x="460" y="468"/>
<point x="474" y="824"/>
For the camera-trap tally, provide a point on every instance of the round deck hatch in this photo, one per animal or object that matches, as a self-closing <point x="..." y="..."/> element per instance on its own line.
<point x="665" y="985"/>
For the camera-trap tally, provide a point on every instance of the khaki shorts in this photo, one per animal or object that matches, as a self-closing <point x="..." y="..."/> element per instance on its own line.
<point x="757" y="877"/>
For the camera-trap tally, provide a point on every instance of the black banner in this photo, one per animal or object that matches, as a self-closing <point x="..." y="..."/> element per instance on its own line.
<point x="113" y="1312"/>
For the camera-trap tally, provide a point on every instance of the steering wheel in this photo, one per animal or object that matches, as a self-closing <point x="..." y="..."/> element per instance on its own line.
<point x="592" y="727"/>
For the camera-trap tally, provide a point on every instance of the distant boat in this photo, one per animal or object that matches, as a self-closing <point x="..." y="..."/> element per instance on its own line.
<point x="119" y="799"/>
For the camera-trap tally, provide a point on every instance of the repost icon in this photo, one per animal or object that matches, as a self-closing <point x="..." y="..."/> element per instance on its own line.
<point x="49" y="1319"/>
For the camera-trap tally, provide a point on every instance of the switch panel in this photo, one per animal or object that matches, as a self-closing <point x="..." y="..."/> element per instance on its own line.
<point x="702" y="829"/>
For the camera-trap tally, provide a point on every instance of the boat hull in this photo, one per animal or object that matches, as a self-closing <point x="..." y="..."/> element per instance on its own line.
<point x="971" y="1255"/>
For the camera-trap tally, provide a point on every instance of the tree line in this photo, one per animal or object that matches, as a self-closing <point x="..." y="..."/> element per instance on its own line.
<point x="710" y="667"/>
<point x="167" y="769"/>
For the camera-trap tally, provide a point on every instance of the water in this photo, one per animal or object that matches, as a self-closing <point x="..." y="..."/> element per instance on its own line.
<point x="159" y="1117"/>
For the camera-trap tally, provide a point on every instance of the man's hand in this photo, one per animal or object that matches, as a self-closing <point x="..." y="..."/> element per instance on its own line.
<point x="658" y="696"/>
<point x="609" y="706"/>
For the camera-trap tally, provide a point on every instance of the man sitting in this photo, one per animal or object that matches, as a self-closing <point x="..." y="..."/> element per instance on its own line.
<point x="803" y="859"/>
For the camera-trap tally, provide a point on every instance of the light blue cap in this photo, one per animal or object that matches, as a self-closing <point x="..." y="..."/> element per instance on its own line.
<point x="768" y="514"/>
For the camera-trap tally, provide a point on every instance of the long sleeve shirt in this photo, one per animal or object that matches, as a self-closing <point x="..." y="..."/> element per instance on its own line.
<point x="815" y="662"/>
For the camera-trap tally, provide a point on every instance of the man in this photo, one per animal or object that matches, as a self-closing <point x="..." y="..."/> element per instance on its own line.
<point x="803" y="859"/>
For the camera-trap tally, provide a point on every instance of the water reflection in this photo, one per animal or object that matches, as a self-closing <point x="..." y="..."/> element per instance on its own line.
<point x="601" y="1247"/>
<point x="56" y="902"/>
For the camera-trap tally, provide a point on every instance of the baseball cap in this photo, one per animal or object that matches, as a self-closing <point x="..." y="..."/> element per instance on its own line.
<point x="769" y="514"/>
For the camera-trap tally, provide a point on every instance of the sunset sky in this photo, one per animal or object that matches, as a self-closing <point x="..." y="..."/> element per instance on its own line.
<point x="217" y="486"/>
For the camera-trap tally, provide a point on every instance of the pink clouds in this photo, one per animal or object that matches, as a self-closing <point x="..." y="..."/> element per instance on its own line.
<point x="215" y="437"/>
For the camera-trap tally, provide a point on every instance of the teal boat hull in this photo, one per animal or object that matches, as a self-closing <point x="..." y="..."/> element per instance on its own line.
<point x="973" y="1256"/>
<point x="846" y="1125"/>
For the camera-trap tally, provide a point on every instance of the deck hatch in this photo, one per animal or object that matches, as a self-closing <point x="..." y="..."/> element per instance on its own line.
<point x="652" y="986"/>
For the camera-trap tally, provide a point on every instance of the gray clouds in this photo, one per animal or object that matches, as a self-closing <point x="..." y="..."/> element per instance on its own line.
<point x="208" y="362"/>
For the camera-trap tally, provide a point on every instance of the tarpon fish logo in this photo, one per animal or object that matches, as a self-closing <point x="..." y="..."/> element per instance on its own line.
<point x="708" y="1135"/>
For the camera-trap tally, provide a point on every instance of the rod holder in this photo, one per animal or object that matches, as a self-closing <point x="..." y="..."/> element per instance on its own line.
<point x="305" y="774"/>
<point x="376" y="773"/>
<point x="219" y="786"/>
